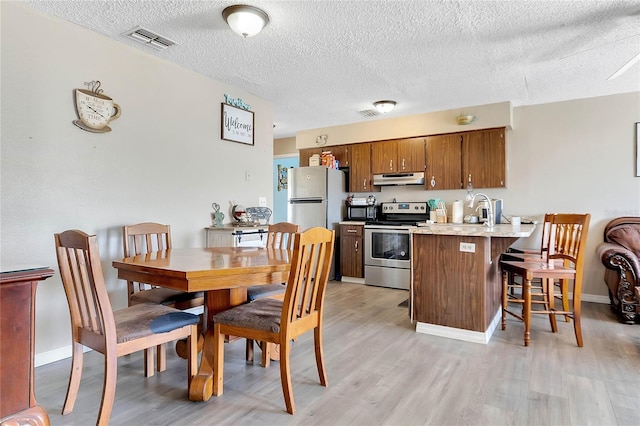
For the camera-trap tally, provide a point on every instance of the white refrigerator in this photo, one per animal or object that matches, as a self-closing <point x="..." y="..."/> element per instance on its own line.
<point x="315" y="197"/>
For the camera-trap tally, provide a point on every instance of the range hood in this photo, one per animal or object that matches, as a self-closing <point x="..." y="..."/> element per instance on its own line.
<point x="387" y="179"/>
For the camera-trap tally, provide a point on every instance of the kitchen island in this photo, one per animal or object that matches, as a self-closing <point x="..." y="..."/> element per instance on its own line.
<point x="455" y="278"/>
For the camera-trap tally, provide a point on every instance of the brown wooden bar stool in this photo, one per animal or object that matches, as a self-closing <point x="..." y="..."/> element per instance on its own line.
<point x="564" y="262"/>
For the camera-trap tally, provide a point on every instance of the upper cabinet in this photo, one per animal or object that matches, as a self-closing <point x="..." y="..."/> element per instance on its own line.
<point x="305" y="154"/>
<point x="444" y="170"/>
<point x="401" y="155"/>
<point x="452" y="158"/>
<point x="447" y="160"/>
<point x="360" y="179"/>
<point x="483" y="158"/>
<point x="341" y="152"/>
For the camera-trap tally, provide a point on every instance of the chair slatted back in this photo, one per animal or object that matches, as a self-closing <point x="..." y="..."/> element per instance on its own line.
<point x="569" y="240"/>
<point x="568" y="237"/>
<point x="143" y="238"/>
<point x="308" y="277"/>
<point x="280" y="235"/>
<point x="547" y="233"/>
<point x="81" y="272"/>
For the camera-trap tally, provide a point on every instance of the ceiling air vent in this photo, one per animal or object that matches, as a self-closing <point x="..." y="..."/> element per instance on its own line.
<point x="369" y="112"/>
<point x="144" y="36"/>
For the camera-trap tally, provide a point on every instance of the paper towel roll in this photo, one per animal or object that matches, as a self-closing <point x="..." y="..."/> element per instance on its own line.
<point x="457" y="211"/>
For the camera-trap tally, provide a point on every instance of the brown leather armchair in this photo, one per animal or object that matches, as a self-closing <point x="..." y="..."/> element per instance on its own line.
<point x="620" y="254"/>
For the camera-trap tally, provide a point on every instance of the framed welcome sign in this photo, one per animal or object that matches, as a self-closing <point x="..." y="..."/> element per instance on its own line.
<point x="237" y="124"/>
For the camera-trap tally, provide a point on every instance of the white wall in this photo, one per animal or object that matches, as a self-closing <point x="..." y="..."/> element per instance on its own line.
<point x="164" y="160"/>
<point x="572" y="157"/>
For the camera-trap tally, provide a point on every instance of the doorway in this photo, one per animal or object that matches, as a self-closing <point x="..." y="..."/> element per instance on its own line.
<point x="280" y="167"/>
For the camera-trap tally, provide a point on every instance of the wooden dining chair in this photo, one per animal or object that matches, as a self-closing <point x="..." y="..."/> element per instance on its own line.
<point x="112" y="333"/>
<point x="281" y="321"/>
<point x="279" y="236"/>
<point x="538" y="253"/>
<point x="140" y="239"/>
<point x="564" y="264"/>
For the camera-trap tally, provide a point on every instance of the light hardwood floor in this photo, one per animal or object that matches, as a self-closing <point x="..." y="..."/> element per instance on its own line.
<point x="382" y="373"/>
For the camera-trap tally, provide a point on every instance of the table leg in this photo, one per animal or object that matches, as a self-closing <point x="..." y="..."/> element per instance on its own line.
<point x="201" y="387"/>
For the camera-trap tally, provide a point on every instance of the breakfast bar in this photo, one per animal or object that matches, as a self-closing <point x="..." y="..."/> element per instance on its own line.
<point x="455" y="278"/>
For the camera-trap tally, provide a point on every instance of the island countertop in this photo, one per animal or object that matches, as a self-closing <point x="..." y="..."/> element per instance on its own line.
<point x="500" y="231"/>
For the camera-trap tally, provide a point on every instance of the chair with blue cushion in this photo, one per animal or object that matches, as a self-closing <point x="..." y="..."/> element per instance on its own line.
<point x="112" y="333"/>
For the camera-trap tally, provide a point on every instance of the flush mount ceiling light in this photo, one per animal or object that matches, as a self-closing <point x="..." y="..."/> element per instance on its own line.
<point x="245" y="20"/>
<point x="384" y="107"/>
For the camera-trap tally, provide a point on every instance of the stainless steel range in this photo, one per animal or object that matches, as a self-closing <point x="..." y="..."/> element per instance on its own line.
<point x="387" y="256"/>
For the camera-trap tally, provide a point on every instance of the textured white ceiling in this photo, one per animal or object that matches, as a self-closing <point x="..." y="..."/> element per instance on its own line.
<point x="320" y="62"/>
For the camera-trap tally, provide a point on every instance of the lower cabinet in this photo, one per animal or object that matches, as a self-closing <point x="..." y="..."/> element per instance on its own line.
<point x="351" y="251"/>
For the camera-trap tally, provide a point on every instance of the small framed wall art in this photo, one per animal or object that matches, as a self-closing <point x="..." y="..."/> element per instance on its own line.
<point x="237" y="124"/>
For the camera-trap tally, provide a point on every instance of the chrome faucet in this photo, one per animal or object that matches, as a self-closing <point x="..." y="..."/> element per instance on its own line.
<point x="490" y="219"/>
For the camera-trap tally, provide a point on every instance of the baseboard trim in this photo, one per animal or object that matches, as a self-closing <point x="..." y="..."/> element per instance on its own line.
<point x="352" y="280"/>
<point x="460" y="334"/>
<point x="48" y="357"/>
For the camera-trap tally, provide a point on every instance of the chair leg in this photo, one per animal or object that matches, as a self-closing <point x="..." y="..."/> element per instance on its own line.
<point x="564" y="289"/>
<point x="109" y="388"/>
<point x="285" y="376"/>
<point x="526" y="289"/>
<point x="192" y="359"/>
<point x="548" y="287"/>
<point x="249" y="350"/>
<point x="576" y="324"/>
<point x="266" y="353"/>
<point x="218" y="367"/>
<point x="161" y="352"/>
<point x="148" y="362"/>
<point x="505" y="300"/>
<point x="317" y="340"/>
<point x="74" y="378"/>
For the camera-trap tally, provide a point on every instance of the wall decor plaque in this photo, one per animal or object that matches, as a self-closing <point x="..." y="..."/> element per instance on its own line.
<point x="237" y="124"/>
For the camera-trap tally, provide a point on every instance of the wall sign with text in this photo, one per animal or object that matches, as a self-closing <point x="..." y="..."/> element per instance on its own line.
<point x="237" y="124"/>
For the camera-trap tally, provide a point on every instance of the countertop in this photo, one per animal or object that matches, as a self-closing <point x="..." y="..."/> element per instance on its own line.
<point x="502" y="230"/>
<point x="352" y="222"/>
<point x="230" y="227"/>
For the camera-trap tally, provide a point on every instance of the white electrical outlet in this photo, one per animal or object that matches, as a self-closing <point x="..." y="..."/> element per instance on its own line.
<point x="468" y="247"/>
<point x="262" y="201"/>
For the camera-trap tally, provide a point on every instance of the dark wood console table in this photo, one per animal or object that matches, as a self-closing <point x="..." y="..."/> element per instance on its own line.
<point x="17" y="325"/>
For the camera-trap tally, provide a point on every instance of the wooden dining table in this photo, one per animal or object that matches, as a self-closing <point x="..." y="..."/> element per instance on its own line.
<point x="223" y="273"/>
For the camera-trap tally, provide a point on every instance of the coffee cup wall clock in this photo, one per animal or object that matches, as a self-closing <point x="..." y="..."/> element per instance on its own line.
<point x="95" y="110"/>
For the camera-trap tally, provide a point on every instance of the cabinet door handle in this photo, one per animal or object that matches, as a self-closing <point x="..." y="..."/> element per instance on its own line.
<point x="356" y="246"/>
<point x="391" y="165"/>
<point x="364" y="184"/>
<point x="352" y="230"/>
<point x="403" y="164"/>
<point x="433" y="181"/>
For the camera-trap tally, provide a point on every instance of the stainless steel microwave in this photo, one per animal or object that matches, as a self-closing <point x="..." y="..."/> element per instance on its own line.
<point x="361" y="213"/>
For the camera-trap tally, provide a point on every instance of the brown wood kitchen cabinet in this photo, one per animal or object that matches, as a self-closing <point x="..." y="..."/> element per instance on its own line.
<point x="360" y="179"/>
<point x="444" y="154"/>
<point x="451" y="158"/>
<point x="341" y="152"/>
<point x="399" y="155"/>
<point x="351" y="251"/>
<point x="306" y="153"/>
<point x="483" y="157"/>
